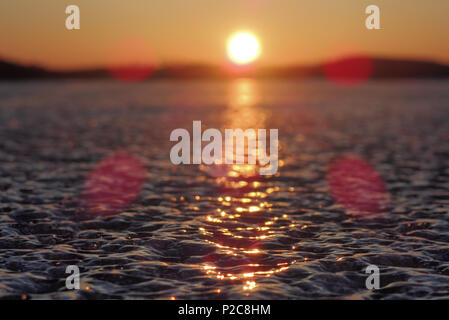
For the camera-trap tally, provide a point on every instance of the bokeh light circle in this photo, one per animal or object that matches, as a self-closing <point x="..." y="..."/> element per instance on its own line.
<point x="114" y="183"/>
<point x="357" y="186"/>
<point x="348" y="67"/>
<point x="131" y="60"/>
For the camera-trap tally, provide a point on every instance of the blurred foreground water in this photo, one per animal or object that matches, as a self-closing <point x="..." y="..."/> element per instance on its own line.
<point x="86" y="179"/>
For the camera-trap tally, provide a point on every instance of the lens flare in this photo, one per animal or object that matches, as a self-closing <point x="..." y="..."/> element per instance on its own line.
<point x="348" y="66"/>
<point x="349" y="71"/>
<point x="357" y="186"/>
<point x="131" y="60"/>
<point x="114" y="183"/>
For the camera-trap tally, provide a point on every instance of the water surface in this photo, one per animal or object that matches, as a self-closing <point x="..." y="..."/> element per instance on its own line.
<point x="225" y="232"/>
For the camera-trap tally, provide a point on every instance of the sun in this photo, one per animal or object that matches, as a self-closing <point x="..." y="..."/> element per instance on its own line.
<point x="243" y="48"/>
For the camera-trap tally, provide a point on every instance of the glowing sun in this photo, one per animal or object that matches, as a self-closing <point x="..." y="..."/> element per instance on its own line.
<point x="243" y="48"/>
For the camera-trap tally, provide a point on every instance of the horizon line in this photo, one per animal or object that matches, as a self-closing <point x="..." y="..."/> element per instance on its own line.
<point x="192" y="63"/>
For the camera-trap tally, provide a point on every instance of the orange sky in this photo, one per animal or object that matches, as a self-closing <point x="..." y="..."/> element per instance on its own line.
<point x="289" y="31"/>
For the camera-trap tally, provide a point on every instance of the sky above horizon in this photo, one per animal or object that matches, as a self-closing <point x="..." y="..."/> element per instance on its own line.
<point x="196" y="31"/>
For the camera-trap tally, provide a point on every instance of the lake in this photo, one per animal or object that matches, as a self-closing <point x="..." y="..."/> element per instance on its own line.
<point x="86" y="180"/>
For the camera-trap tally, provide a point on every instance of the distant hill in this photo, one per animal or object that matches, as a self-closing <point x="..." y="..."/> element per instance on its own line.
<point x="387" y="68"/>
<point x="9" y="70"/>
<point x="381" y="69"/>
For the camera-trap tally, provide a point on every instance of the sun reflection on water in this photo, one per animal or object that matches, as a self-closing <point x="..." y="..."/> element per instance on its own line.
<point x="244" y="219"/>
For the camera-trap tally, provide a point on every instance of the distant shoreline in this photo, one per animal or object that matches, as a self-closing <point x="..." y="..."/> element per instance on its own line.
<point x="382" y="68"/>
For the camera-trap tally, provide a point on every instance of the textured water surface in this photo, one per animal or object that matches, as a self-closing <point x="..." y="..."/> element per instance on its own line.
<point x="86" y="179"/>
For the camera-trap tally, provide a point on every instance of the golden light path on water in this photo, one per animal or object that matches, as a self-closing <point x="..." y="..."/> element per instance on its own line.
<point x="244" y="218"/>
